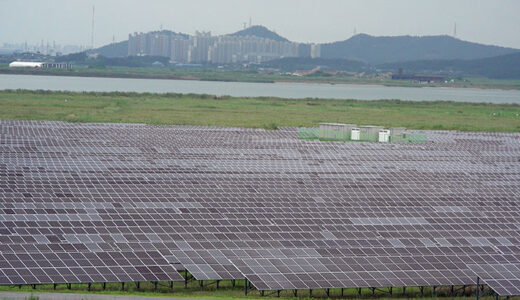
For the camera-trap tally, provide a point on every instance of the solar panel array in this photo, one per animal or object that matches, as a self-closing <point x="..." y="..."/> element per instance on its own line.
<point x="131" y="202"/>
<point x="503" y="278"/>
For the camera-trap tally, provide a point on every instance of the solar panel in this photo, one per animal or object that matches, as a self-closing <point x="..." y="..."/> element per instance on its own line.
<point x="351" y="272"/>
<point x="229" y="203"/>
<point x="504" y="279"/>
<point x="207" y="265"/>
<point x="77" y="267"/>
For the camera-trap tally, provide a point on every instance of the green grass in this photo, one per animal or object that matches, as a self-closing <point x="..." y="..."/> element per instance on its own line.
<point x="226" y="291"/>
<point x="268" y="113"/>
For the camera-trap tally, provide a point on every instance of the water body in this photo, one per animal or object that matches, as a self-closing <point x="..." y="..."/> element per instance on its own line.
<point x="243" y="89"/>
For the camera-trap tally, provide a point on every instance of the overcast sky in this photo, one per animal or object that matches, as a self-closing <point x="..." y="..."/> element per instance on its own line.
<point x="69" y="21"/>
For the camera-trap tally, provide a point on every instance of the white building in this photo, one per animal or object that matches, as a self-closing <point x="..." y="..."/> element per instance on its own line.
<point x="25" y="64"/>
<point x="315" y="50"/>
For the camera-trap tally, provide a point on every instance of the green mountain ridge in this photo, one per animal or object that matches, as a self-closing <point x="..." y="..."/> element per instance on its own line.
<point x="260" y="31"/>
<point x="388" y="49"/>
<point x="499" y="67"/>
<point x="366" y="48"/>
<point x="442" y="54"/>
<point x="119" y="49"/>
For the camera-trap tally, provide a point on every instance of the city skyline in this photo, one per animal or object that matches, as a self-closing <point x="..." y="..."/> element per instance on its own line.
<point x="203" y="47"/>
<point x="486" y="22"/>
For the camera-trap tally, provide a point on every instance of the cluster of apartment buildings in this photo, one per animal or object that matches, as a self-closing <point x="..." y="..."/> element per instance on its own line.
<point x="205" y="48"/>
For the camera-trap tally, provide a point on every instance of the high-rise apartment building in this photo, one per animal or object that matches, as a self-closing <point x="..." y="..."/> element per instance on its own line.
<point x="315" y="50"/>
<point x="205" y="48"/>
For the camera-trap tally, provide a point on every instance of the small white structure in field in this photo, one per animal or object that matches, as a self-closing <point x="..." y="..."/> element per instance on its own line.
<point x="25" y="64"/>
<point x="384" y="136"/>
<point x="355" y="134"/>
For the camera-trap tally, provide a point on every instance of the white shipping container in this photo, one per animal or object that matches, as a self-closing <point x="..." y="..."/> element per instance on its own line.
<point x="355" y="134"/>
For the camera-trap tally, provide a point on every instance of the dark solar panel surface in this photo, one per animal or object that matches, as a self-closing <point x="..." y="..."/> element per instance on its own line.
<point x="502" y="278"/>
<point x="232" y="203"/>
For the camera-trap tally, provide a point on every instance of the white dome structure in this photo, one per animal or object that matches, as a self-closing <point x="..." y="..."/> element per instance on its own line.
<point x="25" y="64"/>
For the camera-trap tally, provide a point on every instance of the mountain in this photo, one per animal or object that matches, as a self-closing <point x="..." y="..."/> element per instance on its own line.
<point x="260" y="31"/>
<point x="379" y="50"/>
<point x="112" y="50"/>
<point x="498" y="67"/>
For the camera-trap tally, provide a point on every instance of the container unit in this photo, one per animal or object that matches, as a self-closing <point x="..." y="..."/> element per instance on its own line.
<point x="370" y="133"/>
<point x="397" y="134"/>
<point x="335" y="131"/>
<point x="397" y="130"/>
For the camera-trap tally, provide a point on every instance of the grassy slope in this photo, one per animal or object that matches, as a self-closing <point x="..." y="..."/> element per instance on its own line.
<point x="253" y="112"/>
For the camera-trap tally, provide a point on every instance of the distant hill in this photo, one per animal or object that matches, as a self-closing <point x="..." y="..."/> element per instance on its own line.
<point x="429" y="54"/>
<point x="260" y="31"/>
<point x="112" y="50"/>
<point x="378" y="50"/>
<point x="498" y="67"/>
<point x="307" y="63"/>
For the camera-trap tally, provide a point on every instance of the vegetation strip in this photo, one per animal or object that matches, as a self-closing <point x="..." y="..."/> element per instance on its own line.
<point x="263" y="112"/>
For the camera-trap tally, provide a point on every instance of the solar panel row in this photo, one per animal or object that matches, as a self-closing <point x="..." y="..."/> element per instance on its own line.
<point x="502" y="278"/>
<point x="85" y="267"/>
<point x="131" y="202"/>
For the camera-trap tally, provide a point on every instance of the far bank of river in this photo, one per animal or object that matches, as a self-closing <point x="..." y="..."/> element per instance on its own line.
<point x="232" y="76"/>
<point x="247" y="89"/>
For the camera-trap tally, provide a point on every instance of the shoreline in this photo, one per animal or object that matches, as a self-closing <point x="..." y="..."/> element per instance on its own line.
<point x="195" y="78"/>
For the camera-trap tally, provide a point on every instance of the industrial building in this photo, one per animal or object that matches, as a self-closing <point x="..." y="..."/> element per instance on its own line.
<point x="42" y="65"/>
<point x="25" y="64"/>
<point x="364" y="133"/>
<point x="417" y="78"/>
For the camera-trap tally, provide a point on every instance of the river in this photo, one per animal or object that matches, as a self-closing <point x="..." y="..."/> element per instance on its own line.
<point x="244" y="89"/>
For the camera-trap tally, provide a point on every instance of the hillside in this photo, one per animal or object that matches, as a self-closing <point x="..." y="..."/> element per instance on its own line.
<point x="499" y="67"/>
<point x="113" y="50"/>
<point x="379" y="50"/>
<point x="260" y="31"/>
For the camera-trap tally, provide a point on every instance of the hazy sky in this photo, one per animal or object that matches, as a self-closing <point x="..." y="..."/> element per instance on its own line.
<point x="69" y="21"/>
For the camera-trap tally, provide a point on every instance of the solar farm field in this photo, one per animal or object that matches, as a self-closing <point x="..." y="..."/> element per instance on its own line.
<point x="97" y="203"/>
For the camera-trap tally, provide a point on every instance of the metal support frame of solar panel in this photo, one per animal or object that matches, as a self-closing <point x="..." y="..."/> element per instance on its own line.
<point x="503" y="278"/>
<point x="232" y="177"/>
<point x="350" y="272"/>
<point x="216" y="264"/>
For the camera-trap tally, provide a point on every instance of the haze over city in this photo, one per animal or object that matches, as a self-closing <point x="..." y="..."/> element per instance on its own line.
<point x="488" y="22"/>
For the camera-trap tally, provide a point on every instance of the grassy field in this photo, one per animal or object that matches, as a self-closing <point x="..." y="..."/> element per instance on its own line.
<point x="250" y="76"/>
<point x="269" y="113"/>
<point x="226" y="291"/>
